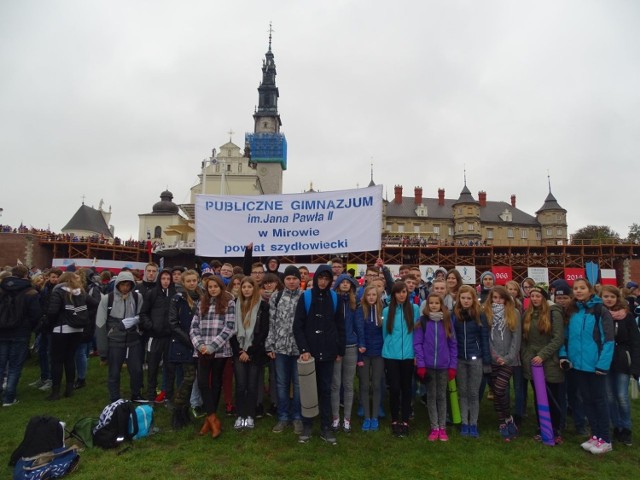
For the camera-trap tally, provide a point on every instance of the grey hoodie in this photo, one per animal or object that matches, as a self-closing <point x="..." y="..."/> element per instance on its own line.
<point x="109" y="327"/>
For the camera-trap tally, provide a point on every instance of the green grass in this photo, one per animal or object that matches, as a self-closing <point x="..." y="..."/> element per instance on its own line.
<point x="261" y="454"/>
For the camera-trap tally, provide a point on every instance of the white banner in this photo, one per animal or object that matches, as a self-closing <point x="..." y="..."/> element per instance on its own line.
<point x="295" y="224"/>
<point x="539" y="274"/>
<point x="468" y="274"/>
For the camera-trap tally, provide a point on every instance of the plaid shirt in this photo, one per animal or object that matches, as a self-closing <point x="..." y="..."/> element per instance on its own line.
<point x="214" y="329"/>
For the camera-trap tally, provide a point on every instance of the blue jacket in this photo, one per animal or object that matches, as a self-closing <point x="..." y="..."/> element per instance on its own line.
<point x="432" y="347"/>
<point x="589" y="342"/>
<point x="354" y="333"/>
<point x="398" y="345"/>
<point x="473" y="339"/>
<point x="372" y="333"/>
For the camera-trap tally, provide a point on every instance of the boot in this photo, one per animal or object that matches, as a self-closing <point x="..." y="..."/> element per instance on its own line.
<point x="206" y="426"/>
<point x="68" y="391"/>
<point x="55" y="393"/>
<point x="216" y="429"/>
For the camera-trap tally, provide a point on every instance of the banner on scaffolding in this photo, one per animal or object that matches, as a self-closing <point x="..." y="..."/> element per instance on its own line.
<point x="572" y="274"/>
<point x="502" y="274"/>
<point x="295" y="224"/>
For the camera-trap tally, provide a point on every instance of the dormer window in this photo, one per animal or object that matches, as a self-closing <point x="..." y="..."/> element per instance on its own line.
<point x="421" y="211"/>
<point x="506" y="215"/>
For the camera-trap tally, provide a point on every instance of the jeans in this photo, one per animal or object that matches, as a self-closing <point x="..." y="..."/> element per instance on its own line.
<point x="469" y="378"/>
<point x="13" y="353"/>
<point x="324" y="377"/>
<point x="343" y="373"/>
<point x="116" y="355"/>
<point x="286" y="367"/>
<point x="246" y="374"/>
<point x="44" y="359"/>
<point x="82" y="359"/>
<point x="574" y="400"/>
<point x="593" y="389"/>
<point x="618" y="396"/>
<point x="157" y="351"/>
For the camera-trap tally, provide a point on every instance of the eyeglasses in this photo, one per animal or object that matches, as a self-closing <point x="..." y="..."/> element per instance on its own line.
<point x="257" y="272"/>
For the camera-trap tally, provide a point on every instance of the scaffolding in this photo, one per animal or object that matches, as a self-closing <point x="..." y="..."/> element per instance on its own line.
<point x="268" y="148"/>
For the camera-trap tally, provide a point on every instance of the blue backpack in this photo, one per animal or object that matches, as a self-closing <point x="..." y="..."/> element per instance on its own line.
<point x="144" y="419"/>
<point x="307" y="300"/>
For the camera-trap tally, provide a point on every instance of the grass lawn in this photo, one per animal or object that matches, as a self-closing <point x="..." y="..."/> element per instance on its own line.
<point x="261" y="454"/>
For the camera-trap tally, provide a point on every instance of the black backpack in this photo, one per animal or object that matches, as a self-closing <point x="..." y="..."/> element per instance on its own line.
<point x="10" y="315"/>
<point x="43" y="434"/>
<point x="76" y="314"/>
<point x="113" y="425"/>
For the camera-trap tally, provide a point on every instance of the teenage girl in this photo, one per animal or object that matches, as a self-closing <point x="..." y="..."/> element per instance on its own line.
<point x="454" y="282"/>
<point x="504" y="342"/>
<point x="397" y="350"/>
<point x="519" y="384"/>
<point x="625" y="363"/>
<point x="344" y="370"/>
<point x="212" y="327"/>
<point x="252" y="326"/>
<point x="474" y="358"/>
<point x="233" y="287"/>
<point x="181" y="353"/>
<point x="369" y="316"/>
<point x="542" y="337"/>
<point x="436" y="352"/>
<point x="588" y="350"/>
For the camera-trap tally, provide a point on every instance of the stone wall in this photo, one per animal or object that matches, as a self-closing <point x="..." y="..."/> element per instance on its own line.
<point x="23" y="247"/>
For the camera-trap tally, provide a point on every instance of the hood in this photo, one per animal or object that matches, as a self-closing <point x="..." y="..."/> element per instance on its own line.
<point x="125" y="277"/>
<point x="15" y="284"/>
<point x="267" y="264"/>
<point x="345" y="276"/>
<point x="592" y="302"/>
<point x="165" y="270"/>
<point x="522" y="282"/>
<point x="322" y="269"/>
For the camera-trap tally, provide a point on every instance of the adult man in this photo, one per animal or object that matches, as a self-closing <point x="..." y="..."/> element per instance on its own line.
<point x="176" y="274"/>
<point x="148" y="280"/>
<point x="319" y="332"/>
<point x="281" y="347"/>
<point x="19" y="313"/>
<point x="118" y="336"/>
<point x="337" y="267"/>
<point x="226" y="272"/>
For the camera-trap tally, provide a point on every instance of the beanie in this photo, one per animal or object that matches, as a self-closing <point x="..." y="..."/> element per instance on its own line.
<point x="292" y="270"/>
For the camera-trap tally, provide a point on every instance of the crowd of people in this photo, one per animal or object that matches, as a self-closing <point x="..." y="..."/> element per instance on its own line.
<point x="199" y="333"/>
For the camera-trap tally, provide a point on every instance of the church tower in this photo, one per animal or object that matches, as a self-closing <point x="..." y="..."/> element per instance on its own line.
<point x="466" y="217"/>
<point x="267" y="147"/>
<point x="553" y="221"/>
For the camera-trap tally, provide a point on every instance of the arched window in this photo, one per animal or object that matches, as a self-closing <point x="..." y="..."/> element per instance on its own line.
<point x="157" y="232"/>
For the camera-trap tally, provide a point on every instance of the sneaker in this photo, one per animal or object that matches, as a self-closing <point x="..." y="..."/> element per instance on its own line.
<point x="273" y="410"/>
<point x="46" y="386"/>
<point x="297" y="427"/>
<point x="625" y="437"/>
<point x="335" y="425"/>
<point x="434" y="435"/>
<point x="239" y="425"/>
<point x="11" y="404"/>
<point x="260" y="411"/>
<point x="328" y="436"/>
<point x="305" y="436"/>
<point x="464" y="430"/>
<point x="601" y="447"/>
<point x="198" y="412"/>
<point x="229" y="410"/>
<point x="280" y="426"/>
<point x="139" y="399"/>
<point x="443" y="435"/>
<point x="374" y="425"/>
<point x="161" y="397"/>
<point x="589" y="443"/>
<point x="504" y="432"/>
<point x="37" y="384"/>
<point x="346" y="426"/>
<point x="473" y="431"/>
<point x="366" y="425"/>
<point x="249" y="423"/>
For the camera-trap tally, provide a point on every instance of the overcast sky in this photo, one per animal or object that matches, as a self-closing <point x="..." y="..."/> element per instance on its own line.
<point x="118" y="100"/>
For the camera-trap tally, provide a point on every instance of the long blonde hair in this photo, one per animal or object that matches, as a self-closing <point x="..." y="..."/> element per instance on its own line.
<point x="510" y="313"/>
<point x="366" y="307"/>
<point x="247" y="304"/>
<point x="544" y="318"/>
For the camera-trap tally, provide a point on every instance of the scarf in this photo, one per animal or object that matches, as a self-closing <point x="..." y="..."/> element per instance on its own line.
<point x="436" y="316"/>
<point x="498" y="319"/>
<point x="618" y="314"/>
<point x="245" y="335"/>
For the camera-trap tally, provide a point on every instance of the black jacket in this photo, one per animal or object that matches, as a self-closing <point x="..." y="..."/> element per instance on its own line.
<point x="29" y="304"/>
<point x="180" y="315"/>
<point x="626" y="353"/>
<point x="256" y="351"/>
<point x="154" y="316"/>
<point x="320" y="331"/>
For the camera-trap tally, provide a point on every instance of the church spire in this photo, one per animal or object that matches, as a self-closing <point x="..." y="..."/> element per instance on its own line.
<point x="268" y="93"/>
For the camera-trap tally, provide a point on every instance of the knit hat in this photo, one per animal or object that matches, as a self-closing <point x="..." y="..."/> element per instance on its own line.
<point x="487" y="274"/>
<point x="542" y="289"/>
<point x="292" y="270"/>
<point x="71" y="267"/>
<point x="632" y="285"/>
<point x="206" y="270"/>
<point x="561" y="287"/>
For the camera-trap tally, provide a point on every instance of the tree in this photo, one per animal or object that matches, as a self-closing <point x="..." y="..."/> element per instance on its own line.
<point x="634" y="234"/>
<point x="595" y="234"/>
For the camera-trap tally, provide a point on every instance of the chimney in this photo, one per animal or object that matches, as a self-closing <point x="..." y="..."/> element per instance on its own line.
<point x="513" y="200"/>
<point x="482" y="198"/>
<point x="441" y="196"/>
<point x="417" y="191"/>
<point x="398" y="194"/>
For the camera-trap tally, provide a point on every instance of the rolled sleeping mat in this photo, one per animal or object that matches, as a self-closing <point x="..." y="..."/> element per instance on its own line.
<point x="308" y="388"/>
<point x="453" y="399"/>
<point x="544" y="413"/>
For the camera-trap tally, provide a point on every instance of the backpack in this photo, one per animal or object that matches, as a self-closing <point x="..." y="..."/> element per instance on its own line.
<point x="42" y="434"/>
<point x="10" y="316"/>
<point x="52" y="464"/>
<point x="307" y="300"/>
<point x="113" y="425"/>
<point x="76" y="314"/>
<point x="144" y="414"/>
<point x="83" y="431"/>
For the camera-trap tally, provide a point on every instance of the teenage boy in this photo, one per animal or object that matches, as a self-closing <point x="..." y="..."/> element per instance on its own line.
<point x="319" y="332"/>
<point x="118" y="336"/>
<point x="282" y="349"/>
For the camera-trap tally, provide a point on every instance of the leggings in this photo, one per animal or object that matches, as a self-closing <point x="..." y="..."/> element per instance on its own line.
<point x="210" y="372"/>
<point x="399" y="375"/>
<point x="500" y="376"/>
